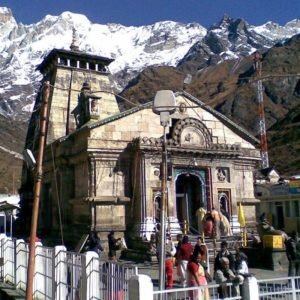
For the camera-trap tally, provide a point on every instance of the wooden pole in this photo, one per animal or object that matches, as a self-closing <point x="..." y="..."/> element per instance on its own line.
<point x="37" y="190"/>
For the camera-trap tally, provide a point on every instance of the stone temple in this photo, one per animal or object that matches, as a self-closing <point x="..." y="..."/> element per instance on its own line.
<point x="102" y="166"/>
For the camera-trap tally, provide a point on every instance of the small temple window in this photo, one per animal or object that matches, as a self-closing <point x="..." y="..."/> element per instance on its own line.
<point x="62" y="61"/>
<point x="83" y="65"/>
<point x="94" y="106"/>
<point x="92" y="66"/>
<point x="73" y="63"/>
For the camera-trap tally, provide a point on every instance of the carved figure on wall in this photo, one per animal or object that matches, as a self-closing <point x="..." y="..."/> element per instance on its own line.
<point x="221" y="175"/>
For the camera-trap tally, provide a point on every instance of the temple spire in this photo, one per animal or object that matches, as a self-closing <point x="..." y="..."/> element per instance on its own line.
<point x="74" y="46"/>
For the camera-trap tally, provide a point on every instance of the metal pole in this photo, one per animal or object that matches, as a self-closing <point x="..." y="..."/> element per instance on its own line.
<point x="162" y="215"/>
<point x="11" y="224"/>
<point x="37" y="191"/>
<point x="5" y="224"/>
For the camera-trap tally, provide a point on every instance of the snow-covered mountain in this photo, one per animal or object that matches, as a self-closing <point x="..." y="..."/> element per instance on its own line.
<point x="22" y="48"/>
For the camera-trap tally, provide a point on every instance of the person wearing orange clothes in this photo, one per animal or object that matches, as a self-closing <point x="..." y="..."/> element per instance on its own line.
<point x="169" y="263"/>
<point x="196" y="277"/>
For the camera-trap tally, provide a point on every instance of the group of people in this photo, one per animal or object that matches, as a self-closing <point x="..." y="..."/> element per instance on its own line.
<point x="192" y="265"/>
<point x="230" y="268"/>
<point x="214" y="223"/>
<point x="93" y="243"/>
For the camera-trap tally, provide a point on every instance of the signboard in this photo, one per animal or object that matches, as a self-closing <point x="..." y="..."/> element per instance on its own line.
<point x="294" y="186"/>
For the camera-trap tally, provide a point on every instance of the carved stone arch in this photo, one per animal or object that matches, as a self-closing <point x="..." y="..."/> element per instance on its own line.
<point x="191" y="132"/>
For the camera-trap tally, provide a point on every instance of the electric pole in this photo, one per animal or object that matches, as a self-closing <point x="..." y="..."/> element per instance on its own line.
<point x="37" y="190"/>
<point x="261" y="113"/>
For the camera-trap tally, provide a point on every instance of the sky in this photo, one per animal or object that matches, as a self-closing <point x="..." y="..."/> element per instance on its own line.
<point x="146" y="12"/>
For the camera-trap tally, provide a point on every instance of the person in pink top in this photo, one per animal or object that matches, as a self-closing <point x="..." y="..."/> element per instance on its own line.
<point x="196" y="277"/>
<point x="184" y="254"/>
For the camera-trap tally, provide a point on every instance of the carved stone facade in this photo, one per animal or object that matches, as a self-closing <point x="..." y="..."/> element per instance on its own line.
<point x="104" y="172"/>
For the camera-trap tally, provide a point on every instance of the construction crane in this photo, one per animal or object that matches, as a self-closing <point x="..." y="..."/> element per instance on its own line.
<point x="261" y="112"/>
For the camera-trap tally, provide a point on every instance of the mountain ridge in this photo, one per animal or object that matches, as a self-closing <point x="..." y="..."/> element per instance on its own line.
<point x="148" y="58"/>
<point x="134" y="48"/>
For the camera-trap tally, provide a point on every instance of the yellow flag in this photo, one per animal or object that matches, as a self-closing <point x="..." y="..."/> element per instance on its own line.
<point x="241" y="216"/>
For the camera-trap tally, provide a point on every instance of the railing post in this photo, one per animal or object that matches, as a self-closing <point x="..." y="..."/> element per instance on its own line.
<point x="83" y="279"/>
<point x="15" y="263"/>
<point x="92" y="275"/>
<point x="140" y="287"/>
<point x="294" y="294"/>
<point x="54" y="285"/>
<point x="60" y="277"/>
<point x="250" y="289"/>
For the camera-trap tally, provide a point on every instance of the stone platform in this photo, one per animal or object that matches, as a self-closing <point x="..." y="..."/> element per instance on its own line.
<point x="266" y="258"/>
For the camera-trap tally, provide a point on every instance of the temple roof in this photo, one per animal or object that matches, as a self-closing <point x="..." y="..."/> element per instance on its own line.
<point x="229" y="123"/>
<point x="76" y="55"/>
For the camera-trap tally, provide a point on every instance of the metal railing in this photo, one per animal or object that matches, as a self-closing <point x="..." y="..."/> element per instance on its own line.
<point x="211" y="291"/>
<point x="279" y="288"/>
<point x="60" y="274"/>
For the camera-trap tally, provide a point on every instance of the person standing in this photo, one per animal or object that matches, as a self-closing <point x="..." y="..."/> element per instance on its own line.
<point x="94" y="243"/>
<point x="169" y="263"/>
<point x="184" y="254"/>
<point x="293" y="255"/>
<point x="196" y="277"/>
<point x="200" y="214"/>
<point x="225" y="227"/>
<point x="113" y="243"/>
<point x="201" y="247"/>
<point x="208" y="226"/>
<point x="216" y="218"/>
<point x="178" y="245"/>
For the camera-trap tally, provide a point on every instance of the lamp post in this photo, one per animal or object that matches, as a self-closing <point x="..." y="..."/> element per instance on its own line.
<point x="163" y="105"/>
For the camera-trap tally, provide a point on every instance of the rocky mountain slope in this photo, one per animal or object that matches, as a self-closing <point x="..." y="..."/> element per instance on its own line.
<point x="230" y="87"/>
<point x="149" y="58"/>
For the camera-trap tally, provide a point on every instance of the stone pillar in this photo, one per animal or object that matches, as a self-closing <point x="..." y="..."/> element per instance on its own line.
<point x="140" y="287"/>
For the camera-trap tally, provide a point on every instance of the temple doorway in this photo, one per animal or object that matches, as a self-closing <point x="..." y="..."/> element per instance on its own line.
<point x="189" y="196"/>
<point x="225" y="202"/>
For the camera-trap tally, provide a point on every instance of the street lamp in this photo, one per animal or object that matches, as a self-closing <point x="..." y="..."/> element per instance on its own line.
<point x="163" y="105"/>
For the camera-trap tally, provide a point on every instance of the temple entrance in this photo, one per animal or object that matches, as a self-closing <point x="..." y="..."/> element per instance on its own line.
<point x="189" y="196"/>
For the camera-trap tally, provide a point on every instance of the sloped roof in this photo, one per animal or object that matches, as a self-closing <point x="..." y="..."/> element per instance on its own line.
<point x="266" y="171"/>
<point x="229" y="123"/>
<point x="118" y="116"/>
